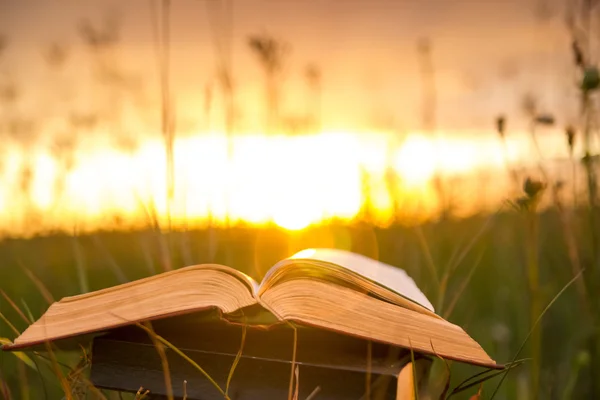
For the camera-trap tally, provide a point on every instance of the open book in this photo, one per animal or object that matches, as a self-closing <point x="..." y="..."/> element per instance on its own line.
<point x="329" y="289"/>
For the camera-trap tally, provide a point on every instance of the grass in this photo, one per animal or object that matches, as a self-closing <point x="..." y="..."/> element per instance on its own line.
<point x="484" y="293"/>
<point x="489" y="274"/>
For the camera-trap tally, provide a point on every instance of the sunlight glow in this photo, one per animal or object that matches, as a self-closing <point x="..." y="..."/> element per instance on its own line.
<point x="292" y="181"/>
<point x="416" y="161"/>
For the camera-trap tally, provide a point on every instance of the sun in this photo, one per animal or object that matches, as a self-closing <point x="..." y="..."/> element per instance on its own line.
<point x="292" y="221"/>
<point x="293" y="182"/>
<point x="416" y="161"/>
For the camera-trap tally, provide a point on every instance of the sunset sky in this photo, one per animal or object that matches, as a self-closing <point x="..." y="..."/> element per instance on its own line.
<point x="486" y="55"/>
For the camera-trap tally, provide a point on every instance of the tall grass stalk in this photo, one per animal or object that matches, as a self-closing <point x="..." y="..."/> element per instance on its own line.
<point x="167" y="116"/>
<point x="161" y="27"/>
<point x="114" y="266"/>
<point x="9" y="324"/>
<point x="238" y="356"/>
<point x="533" y="275"/>
<point x="64" y="383"/>
<point x="452" y="304"/>
<point x="291" y="387"/>
<point x="16" y="308"/>
<point x="415" y="378"/>
<point x="163" y="245"/>
<point x="369" y="368"/>
<point x="537" y="321"/>
<point x="82" y="277"/>
<point x="163" y="360"/>
<point x="454" y="262"/>
<point x="42" y="289"/>
<point x="427" y="253"/>
<point x="20" y="355"/>
<point x="297" y="388"/>
<point x="4" y="389"/>
<point x="589" y="82"/>
<point x="314" y="393"/>
<point x="185" y="357"/>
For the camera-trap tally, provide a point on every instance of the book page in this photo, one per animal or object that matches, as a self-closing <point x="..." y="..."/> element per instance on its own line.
<point x="181" y="291"/>
<point x="390" y="277"/>
<point x="341" y="309"/>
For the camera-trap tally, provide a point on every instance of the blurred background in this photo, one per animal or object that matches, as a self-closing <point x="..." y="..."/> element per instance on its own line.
<point x="455" y="139"/>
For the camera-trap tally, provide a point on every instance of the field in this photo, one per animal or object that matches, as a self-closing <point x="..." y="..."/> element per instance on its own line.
<point x="140" y="140"/>
<point x="487" y="291"/>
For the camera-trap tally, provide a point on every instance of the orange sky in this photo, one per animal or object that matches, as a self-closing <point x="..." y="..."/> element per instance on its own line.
<point x="486" y="54"/>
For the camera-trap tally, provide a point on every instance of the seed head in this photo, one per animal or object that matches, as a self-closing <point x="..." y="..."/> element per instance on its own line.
<point x="578" y="55"/>
<point x="591" y="79"/>
<point x="500" y="125"/>
<point x="583" y="358"/>
<point x="545" y="119"/>
<point x="570" y="131"/>
<point x="533" y="188"/>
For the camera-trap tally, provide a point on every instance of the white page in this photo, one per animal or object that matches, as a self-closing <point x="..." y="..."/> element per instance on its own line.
<point x="386" y="275"/>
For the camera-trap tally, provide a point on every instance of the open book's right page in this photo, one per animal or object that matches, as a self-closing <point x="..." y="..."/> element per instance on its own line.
<point x="385" y="275"/>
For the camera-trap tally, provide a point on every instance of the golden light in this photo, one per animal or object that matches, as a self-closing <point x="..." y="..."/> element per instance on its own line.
<point x="292" y="181"/>
<point x="416" y="161"/>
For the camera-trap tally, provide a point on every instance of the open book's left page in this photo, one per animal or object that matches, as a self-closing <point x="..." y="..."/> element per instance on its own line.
<point x="176" y="292"/>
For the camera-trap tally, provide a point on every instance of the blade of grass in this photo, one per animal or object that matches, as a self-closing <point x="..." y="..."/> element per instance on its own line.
<point x="163" y="359"/>
<point x="150" y="213"/>
<point x="73" y="371"/>
<point x="22" y="356"/>
<point x="314" y="393"/>
<point x="23" y="385"/>
<point x="38" y="283"/>
<point x="82" y="277"/>
<point x="462" y="288"/>
<point x="490" y="370"/>
<point x="15" y="307"/>
<point x="152" y="216"/>
<point x="90" y="386"/>
<point x="64" y="384"/>
<point x="414" y="371"/>
<point x="185" y="357"/>
<point x="140" y="395"/>
<point x="535" y="325"/>
<point x="116" y="268"/>
<point x="236" y="361"/>
<point x="27" y="310"/>
<point x="369" y="367"/>
<point x="492" y="373"/>
<point x="477" y="396"/>
<point x="447" y="385"/>
<point x="5" y="390"/>
<point x="297" y="390"/>
<point x="427" y="252"/>
<point x="76" y="375"/>
<point x="455" y="262"/>
<point x="147" y="254"/>
<point x="455" y="253"/>
<point x="19" y="354"/>
<point x="41" y="376"/>
<point x="291" y="387"/>
<point x="11" y="326"/>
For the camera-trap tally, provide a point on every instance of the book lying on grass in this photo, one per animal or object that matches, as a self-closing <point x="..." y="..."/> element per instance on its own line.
<point x="324" y="288"/>
<point x="338" y="365"/>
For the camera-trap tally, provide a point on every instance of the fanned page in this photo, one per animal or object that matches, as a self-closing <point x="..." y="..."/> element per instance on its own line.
<point x="182" y="291"/>
<point x="384" y="275"/>
<point x="328" y="306"/>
